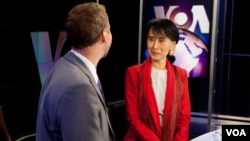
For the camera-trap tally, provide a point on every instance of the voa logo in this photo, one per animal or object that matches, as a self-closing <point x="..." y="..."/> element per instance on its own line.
<point x="196" y="17"/>
<point x="235" y="132"/>
<point x="191" y="50"/>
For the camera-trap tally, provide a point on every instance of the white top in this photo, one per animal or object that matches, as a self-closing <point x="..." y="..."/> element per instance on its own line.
<point x="159" y="81"/>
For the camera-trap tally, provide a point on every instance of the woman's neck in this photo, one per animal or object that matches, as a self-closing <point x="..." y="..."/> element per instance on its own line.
<point x="159" y="64"/>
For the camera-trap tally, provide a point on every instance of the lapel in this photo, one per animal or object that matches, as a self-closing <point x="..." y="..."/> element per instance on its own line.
<point x="170" y="88"/>
<point x="71" y="57"/>
<point x="150" y="95"/>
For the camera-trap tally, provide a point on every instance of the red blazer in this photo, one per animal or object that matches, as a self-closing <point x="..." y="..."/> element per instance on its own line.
<point x="137" y="129"/>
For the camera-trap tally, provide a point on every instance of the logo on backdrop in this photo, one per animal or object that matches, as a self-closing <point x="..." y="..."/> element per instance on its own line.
<point x="42" y="48"/>
<point x="193" y="23"/>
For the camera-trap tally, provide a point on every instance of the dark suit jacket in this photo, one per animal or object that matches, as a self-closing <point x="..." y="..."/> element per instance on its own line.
<point x="71" y="106"/>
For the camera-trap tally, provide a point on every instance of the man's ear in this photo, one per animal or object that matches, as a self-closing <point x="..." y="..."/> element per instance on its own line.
<point x="104" y="34"/>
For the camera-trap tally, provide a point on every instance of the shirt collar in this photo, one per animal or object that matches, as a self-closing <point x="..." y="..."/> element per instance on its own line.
<point x="90" y="65"/>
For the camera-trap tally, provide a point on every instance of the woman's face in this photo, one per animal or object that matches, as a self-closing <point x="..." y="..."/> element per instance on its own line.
<point x="159" y="46"/>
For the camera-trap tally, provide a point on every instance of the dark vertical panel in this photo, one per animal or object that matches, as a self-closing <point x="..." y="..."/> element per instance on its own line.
<point x="232" y="95"/>
<point x="240" y="29"/>
<point x="20" y="82"/>
<point x="124" y="20"/>
<point x="239" y="91"/>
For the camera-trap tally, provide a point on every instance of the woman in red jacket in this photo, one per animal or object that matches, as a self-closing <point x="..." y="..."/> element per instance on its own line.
<point x="156" y="92"/>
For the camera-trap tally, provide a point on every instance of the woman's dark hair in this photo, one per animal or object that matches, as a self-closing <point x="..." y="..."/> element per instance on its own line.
<point x="164" y="27"/>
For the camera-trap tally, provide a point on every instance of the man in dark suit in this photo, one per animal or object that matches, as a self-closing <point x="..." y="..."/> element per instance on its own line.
<point x="72" y="106"/>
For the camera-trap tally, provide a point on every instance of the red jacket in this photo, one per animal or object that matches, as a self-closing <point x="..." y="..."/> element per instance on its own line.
<point x="138" y="130"/>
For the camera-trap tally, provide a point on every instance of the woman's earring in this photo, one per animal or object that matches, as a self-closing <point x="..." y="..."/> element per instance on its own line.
<point x="171" y="56"/>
